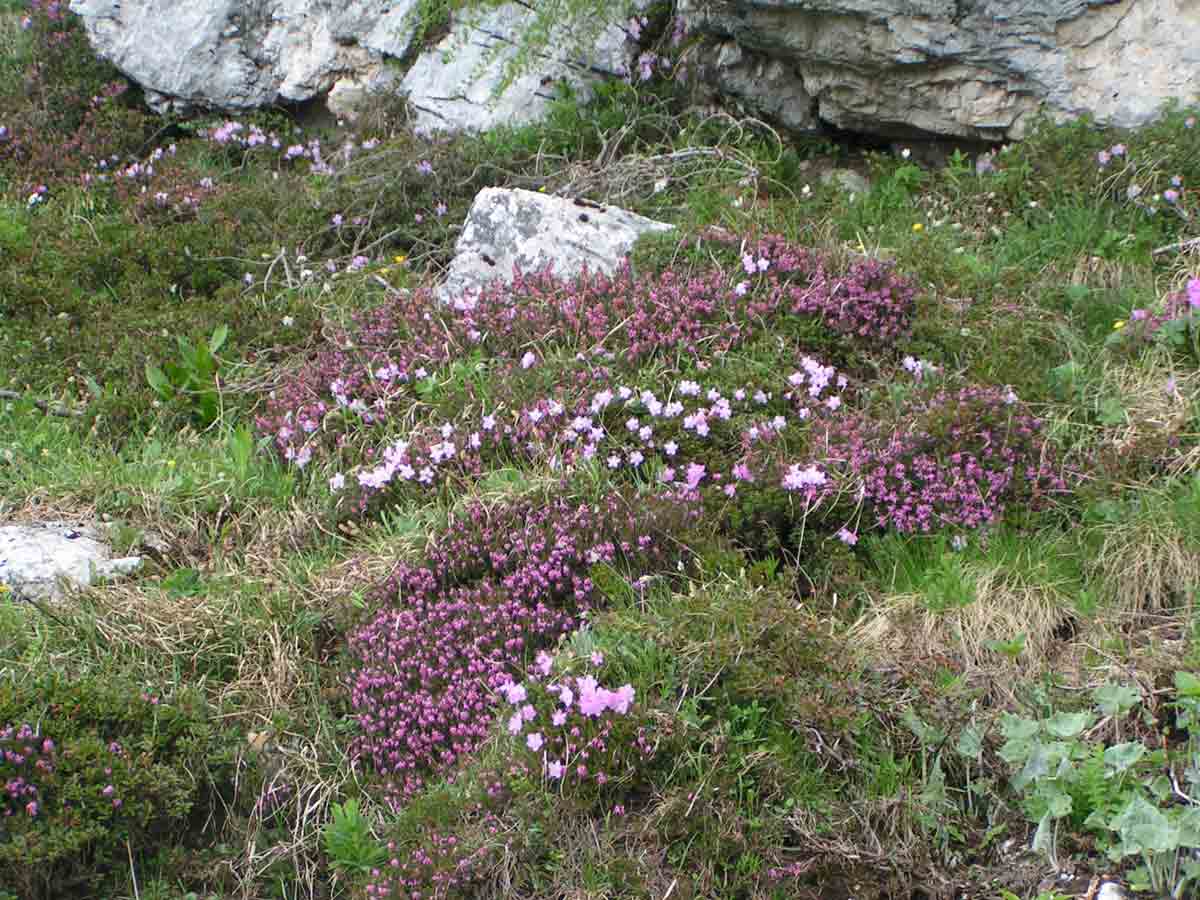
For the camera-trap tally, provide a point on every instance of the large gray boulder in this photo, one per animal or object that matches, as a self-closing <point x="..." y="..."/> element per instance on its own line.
<point x="975" y="69"/>
<point x="38" y="561"/>
<point x="241" y="54"/>
<point x="237" y="55"/>
<point x="534" y="231"/>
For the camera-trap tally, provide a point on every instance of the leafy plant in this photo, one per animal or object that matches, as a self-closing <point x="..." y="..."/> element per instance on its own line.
<point x="193" y="378"/>
<point x="348" y="839"/>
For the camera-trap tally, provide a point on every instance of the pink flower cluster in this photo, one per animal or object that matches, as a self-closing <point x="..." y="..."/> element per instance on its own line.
<point x="368" y="373"/>
<point x="954" y="458"/>
<point x="24" y="756"/>
<point x="571" y="741"/>
<point x="497" y="586"/>
<point x="625" y="428"/>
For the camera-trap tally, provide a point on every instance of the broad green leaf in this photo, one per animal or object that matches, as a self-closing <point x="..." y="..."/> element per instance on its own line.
<point x="970" y="742"/>
<point x="1143" y="827"/>
<point x="1159" y="788"/>
<point x="1058" y="801"/>
<point x="1115" y="699"/>
<point x="1068" y="725"/>
<point x="158" y="381"/>
<point x="1036" y="766"/>
<point x="1122" y="756"/>
<point x="1017" y="728"/>
<point x="1187" y="684"/>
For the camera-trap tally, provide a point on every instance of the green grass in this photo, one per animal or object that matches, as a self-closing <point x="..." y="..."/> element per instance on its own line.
<point x="825" y="715"/>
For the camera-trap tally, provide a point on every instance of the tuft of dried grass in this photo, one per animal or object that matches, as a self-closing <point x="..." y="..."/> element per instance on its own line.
<point x="1007" y="603"/>
<point x="1159" y="419"/>
<point x="1147" y="564"/>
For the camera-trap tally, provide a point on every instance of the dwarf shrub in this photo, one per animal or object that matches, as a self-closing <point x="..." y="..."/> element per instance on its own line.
<point x="93" y="769"/>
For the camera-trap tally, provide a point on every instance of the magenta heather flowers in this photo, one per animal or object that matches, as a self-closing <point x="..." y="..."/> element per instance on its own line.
<point x="369" y="373"/>
<point x="954" y="458"/>
<point x="450" y="635"/>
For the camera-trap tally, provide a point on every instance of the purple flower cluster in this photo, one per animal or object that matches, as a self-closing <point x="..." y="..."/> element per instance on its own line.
<point x="576" y="736"/>
<point x="369" y="372"/>
<point x="1144" y="184"/>
<point x="497" y="586"/>
<point x="626" y="429"/>
<point x="24" y="757"/>
<point x="954" y="458"/>
<point x="1179" y="311"/>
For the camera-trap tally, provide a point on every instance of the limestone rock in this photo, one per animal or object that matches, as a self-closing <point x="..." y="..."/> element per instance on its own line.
<point x="241" y="54"/>
<point x="529" y="230"/>
<point x="975" y="69"/>
<point x="237" y="55"/>
<point x="37" y="560"/>
<point x="453" y="86"/>
<point x="848" y="180"/>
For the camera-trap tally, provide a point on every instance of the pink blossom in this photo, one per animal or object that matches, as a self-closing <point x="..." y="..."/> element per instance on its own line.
<point x="534" y="741"/>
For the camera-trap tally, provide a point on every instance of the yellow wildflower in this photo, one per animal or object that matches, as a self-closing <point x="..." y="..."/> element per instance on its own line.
<point x="399" y="260"/>
<point x="1118" y="325"/>
<point x="917" y="226"/>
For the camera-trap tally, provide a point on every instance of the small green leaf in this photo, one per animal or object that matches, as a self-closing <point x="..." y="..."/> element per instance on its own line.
<point x="158" y="382"/>
<point x="970" y="742"/>
<point x="1187" y="684"/>
<point x="1116" y="699"/>
<point x="1068" y="725"/>
<point x="1121" y="757"/>
<point x="1018" y="728"/>
<point x="217" y="341"/>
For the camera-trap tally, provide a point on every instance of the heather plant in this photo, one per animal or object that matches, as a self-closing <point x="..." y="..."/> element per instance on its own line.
<point x="369" y="370"/>
<point x="88" y="766"/>
<point x="71" y="109"/>
<point x="580" y="739"/>
<point x="497" y="586"/>
<point x="955" y="457"/>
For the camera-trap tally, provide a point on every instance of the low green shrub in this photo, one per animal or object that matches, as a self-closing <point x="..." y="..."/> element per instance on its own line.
<point x="96" y="772"/>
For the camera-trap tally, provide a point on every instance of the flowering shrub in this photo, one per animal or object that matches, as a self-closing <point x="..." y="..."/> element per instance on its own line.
<point x="103" y="765"/>
<point x="1174" y="324"/>
<point x="497" y="586"/>
<point x="954" y="457"/>
<point x="74" y="109"/>
<point x="576" y="736"/>
<point x="373" y="372"/>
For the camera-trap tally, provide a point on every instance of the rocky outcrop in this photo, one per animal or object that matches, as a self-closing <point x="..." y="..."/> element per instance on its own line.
<point x="533" y="231"/>
<point x="38" y="561"/>
<point x="460" y="84"/>
<point x="974" y="69"/>
<point x="241" y="54"/>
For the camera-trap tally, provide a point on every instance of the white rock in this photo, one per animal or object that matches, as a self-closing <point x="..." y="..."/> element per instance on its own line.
<point x="39" y="560"/>
<point x="529" y="230"/>
<point x="238" y="54"/>
<point x="453" y="86"/>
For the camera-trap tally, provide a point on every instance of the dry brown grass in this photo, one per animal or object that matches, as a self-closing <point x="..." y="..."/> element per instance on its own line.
<point x="1159" y="426"/>
<point x="1007" y="604"/>
<point x="1147" y="564"/>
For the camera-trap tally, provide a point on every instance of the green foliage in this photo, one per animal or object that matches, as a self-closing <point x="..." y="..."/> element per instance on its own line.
<point x="1115" y="791"/>
<point x="193" y="379"/>
<point x="124" y="772"/>
<point x="348" y="840"/>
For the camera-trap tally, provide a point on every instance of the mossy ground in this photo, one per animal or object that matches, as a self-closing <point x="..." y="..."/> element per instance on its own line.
<point x="810" y="696"/>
